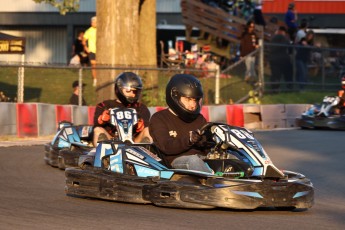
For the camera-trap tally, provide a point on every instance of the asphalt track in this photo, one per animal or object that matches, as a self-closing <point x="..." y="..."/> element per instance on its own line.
<point x="32" y="193"/>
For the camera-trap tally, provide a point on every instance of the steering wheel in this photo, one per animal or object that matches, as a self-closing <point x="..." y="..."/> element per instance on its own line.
<point x="207" y="127"/>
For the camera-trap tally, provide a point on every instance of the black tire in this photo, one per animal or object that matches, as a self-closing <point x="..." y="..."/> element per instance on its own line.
<point x="285" y="208"/>
<point x="61" y="163"/>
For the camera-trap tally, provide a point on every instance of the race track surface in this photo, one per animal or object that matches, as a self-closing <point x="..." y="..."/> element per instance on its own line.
<point x="32" y="193"/>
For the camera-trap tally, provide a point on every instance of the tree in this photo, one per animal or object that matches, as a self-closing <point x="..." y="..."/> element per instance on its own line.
<point x="63" y="6"/>
<point x="126" y="37"/>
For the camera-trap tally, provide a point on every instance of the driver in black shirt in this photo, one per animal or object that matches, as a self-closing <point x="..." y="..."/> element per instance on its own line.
<point x="175" y="130"/>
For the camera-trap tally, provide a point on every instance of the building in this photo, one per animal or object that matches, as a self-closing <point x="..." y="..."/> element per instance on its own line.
<point x="49" y="35"/>
<point x="325" y="17"/>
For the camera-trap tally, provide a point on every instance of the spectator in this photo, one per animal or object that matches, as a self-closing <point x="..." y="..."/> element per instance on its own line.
<point x="249" y="43"/>
<point x="4" y="98"/>
<point x="78" y="49"/>
<point x="302" y="31"/>
<point x="303" y="56"/>
<point x="258" y="17"/>
<point x="175" y="129"/>
<point x="280" y="60"/>
<point x="211" y="66"/>
<point x="291" y="21"/>
<point x="89" y="43"/>
<point x="247" y="9"/>
<point x="234" y="7"/>
<point x="128" y="87"/>
<point x="74" y="99"/>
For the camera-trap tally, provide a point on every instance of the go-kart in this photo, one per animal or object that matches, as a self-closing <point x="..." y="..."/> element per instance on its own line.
<point x="68" y="143"/>
<point x="327" y="115"/>
<point x="244" y="176"/>
<point x="71" y="142"/>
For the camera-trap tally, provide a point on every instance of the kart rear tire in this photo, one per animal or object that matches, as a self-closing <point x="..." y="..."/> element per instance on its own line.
<point x="61" y="163"/>
<point x="288" y="208"/>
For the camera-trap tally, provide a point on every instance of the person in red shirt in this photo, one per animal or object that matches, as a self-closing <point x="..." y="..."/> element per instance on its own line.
<point x="341" y="93"/>
<point x="128" y="87"/>
<point x="249" y="43"/>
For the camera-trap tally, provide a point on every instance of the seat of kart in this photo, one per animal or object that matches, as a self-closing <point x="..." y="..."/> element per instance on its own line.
<point x="154" y="149"/>
<point x="85" y="133"/>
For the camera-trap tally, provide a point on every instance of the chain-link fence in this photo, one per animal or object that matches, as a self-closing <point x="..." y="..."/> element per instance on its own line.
<point x="323" y="67"/>
<point x="53" y="84"/>
<point x="302" y="68"/>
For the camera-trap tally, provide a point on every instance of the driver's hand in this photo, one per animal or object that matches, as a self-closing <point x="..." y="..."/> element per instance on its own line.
<point x="140" y="125"/>
<point x="194" y="137"/>
<point x="104" y="117"/>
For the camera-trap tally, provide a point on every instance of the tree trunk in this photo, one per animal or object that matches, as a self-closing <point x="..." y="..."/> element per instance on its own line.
<point x="148" y="53"/>
<point x="125" y="38"/>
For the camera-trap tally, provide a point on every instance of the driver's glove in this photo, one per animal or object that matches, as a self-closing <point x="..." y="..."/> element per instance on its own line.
<point x="104" y="117"/>
<point x="194" y="137"/>
<point x="140" y="125"/>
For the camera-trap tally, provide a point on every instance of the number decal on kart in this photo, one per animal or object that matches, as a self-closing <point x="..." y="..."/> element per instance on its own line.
<point x="123" y="115"/>
<point x="329" y="99"/>
<point x="242" y="134"/>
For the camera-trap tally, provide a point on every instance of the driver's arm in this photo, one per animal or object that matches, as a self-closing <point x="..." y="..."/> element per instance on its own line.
<point x="100" y="108"/>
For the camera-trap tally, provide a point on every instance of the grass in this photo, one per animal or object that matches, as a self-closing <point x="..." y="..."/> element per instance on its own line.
<point x="54" y="86"/>
<point x="294" y="98"/>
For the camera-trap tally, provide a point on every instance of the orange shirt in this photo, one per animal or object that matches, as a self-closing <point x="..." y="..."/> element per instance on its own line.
<point x="342" y="95"/>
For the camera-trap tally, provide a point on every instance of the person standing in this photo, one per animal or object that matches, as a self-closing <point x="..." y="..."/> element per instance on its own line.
<point x="302" y="31"/>
<point x="249" y="43"/>
<point x="89" y="43"/>
<point x="78" y="49"/>
<point x="175" y="130"/>
<point x="303" y="57"/>
<point x="74" y="99"/>
<point x="257" y="14"/>
<point x="291" y="21"/>
<point x="280" y="60"/>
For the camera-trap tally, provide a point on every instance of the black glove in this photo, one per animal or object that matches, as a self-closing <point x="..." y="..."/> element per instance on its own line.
<point x="194" y="137"/>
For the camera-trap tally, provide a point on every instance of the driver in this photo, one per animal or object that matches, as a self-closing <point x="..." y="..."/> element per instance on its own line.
<point x="340" y="109"/>
<point x="341" y="93"/>
<point x="175" y="130"/>
<point x="128" y="87"/>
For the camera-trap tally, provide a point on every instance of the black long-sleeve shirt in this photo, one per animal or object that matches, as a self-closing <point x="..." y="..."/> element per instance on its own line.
<point x="171" y="134"/>
<point x="74" y="100"/>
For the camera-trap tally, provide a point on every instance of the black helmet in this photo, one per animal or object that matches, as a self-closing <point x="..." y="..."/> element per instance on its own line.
<point x="187" y="86"/>
<point x="128" y="80"/>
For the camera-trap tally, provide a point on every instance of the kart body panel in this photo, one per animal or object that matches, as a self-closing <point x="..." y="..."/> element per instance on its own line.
<point x="128" y="172"/>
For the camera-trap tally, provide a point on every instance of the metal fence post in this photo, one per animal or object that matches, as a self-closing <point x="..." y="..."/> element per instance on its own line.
<point x="20" y="87"/>
<point x="80" y="96"/>
<point x="261" y="67"/>
<point x="217" y="93"/>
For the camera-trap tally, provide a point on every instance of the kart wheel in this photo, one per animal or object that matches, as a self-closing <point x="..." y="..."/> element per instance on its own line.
<point x="61" y="163"/>
<point x="85" y="165"/>
<point x="288" y="208"/>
